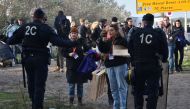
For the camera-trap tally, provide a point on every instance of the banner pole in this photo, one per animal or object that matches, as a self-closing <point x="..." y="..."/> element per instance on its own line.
<point x="185" y="26"/>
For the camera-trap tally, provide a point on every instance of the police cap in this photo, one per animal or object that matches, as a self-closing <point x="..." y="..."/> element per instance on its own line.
<point x="39" y="13"/>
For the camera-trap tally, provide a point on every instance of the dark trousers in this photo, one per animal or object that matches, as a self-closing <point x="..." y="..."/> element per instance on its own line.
<point x="60" y="58"/>
<point x="179" y="61"/>
<point x="149" y="75"/>
<point x="37" y="72"/>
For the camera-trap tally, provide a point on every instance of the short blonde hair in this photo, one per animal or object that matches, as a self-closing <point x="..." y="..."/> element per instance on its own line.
<point x="82" y="20"/>
<point x="94" y="25"/>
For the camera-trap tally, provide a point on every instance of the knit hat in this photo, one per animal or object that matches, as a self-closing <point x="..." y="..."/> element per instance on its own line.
<point x="148" y="17"/>
<point x="74" y="30"/>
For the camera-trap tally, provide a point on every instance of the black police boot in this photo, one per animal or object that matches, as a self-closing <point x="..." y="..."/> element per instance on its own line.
<point x="80" y="101"/>
<point x="180" y="68"/>
<point x="177" y="69"/>
<point x="38" y="108"/>
<point x="110" y="101"/>
<point x="71" y="100"/>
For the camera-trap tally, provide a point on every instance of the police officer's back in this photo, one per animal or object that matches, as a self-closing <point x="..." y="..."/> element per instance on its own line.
<point x="146" y="47"/>
<point x="35" y="37"/>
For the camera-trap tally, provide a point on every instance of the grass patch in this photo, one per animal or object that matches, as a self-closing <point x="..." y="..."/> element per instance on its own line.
<point x="186" y="65"/>
<point x="11" y="101"/>
<point x="21" y="100"/>
<point x="7" y="96"/>
<point x="186" y="61"/>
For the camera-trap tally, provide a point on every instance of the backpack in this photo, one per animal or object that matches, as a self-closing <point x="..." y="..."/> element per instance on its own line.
<point x="5" y="52"/>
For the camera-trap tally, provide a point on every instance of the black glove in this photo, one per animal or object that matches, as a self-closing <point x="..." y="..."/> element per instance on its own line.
<point x="187" y="42"/>
<point x="80" y="41"/>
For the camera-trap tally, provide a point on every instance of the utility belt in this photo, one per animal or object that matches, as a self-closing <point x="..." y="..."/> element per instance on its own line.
<point x="36" y="49"/>
<point x="36" y="52"/>
<point x="147" y="61"/>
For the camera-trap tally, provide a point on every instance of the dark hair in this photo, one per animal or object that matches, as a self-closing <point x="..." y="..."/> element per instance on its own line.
<point x="149" y="19"/>
<point x="115" y="26"/>
<point x="129" y="18"/>
<point x="114" y="19"/>
<point x="15" y="21"/>
<point x="39" y="13"/>
<point x="21" y="19"/>
<point x="179" y="22"/>
<point x="12" y="20"/>
<point x="167" y="17"/>
<point x="103" y="20"/>
<point x="60" y="13"/>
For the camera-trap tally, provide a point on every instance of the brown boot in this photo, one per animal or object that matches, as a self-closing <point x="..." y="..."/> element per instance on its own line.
<point x="71" y="100"/>
<point x="61" y="70"/>
<point x="57" y="69"/>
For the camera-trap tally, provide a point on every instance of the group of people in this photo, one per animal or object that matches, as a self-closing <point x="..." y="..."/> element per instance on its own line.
<point x="146" y="45"/>
<point x="8" y="32"/>
<point x="91" y="33"/>
<point x="176" y="43"/>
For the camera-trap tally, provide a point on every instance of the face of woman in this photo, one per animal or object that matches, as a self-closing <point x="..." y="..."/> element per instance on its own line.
<point x="74" y="36"/>
<point x="73" y="24"/>
<point x="112" y="32"/>
<point x="177" y="24"/>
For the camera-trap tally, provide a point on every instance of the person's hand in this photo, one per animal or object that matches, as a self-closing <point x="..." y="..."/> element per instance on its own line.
<point x="71" y="54"/>
<point x="171" y="38"/>
<point x="104" y="39"/>
<point x="80" y="41"/>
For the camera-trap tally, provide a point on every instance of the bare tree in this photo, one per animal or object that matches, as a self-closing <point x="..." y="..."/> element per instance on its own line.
<point x="89" y="9"/>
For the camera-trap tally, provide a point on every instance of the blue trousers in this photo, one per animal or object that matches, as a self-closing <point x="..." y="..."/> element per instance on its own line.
<point x="72" y="89"/>
<point x="118" y="85"/>
<point x="171" y="49"/>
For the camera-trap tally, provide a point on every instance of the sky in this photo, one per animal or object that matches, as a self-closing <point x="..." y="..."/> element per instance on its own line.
<point x="131" y="6"/>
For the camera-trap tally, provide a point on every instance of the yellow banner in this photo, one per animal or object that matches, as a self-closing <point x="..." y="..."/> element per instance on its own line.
<point x="158" y="6"/>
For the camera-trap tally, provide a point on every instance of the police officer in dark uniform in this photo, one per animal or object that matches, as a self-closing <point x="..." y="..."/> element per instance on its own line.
<point x="35" y="37"/>
<point x="146" y="46"/>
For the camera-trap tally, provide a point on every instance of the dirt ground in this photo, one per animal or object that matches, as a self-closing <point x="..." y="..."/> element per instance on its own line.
<point x="178" y="93"/>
